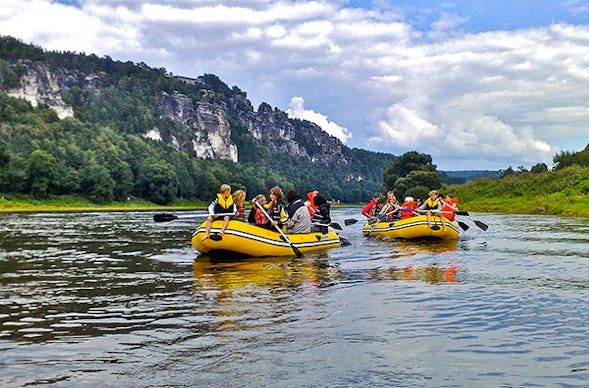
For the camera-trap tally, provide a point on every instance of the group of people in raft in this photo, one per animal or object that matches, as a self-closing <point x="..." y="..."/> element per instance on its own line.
<point x="390" y="210"/>
<point x="312" y="215"/>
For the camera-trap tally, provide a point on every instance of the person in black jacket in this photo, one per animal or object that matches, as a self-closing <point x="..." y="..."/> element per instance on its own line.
<point x="321" y="218"/>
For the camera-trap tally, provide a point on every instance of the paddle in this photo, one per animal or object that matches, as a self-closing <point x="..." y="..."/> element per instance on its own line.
<point x="478" y="223"/>
<point x="295" y="249"/>
<point x="344" y="242"/>
<point x="166" y="217"/>
<point x="374" y="224"/>
<point x="350" y="221"/>
<point x="334" y="225"/>
<point x="463" y="225"/>
<point x="379" y="217"/>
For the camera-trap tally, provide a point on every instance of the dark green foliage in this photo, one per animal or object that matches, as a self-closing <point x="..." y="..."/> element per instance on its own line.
<point x="158" y="182"/>
<point x="98" y="184"/>
<point x="509" y="171"/>
<point x="567" y="159"/>
<point x="41" y="174"/>
<point x="409" y="174"/>
<point x="539" y="168"/>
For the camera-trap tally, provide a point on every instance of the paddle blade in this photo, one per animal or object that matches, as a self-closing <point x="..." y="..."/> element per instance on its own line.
<point x="336" y="226"/>
<point x="463" y="225"/>
<point x="344" y="242"/>
<point x="462" y="213"/>
<point x="216" y="237"/>
<point x="373" y="220"/>
<point x="164" y="217"/>
<point x="350" y="221"/>
<point x="481" y="225"/>
<point x="296" y="250"/>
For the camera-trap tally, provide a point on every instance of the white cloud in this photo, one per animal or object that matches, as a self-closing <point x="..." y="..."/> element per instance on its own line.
<point x="296" y="109"/>
<point x="472" y="100"/>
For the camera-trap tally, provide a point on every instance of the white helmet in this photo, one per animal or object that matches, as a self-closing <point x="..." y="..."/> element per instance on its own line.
<point x="409" y="199"/>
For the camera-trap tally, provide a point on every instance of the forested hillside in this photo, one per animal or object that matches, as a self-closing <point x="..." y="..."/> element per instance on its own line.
<point x="111" y="130"/>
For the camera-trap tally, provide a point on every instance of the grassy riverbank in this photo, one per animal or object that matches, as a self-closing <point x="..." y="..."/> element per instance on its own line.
<point x="24" y="203"/>
<point x="564" y="192"/>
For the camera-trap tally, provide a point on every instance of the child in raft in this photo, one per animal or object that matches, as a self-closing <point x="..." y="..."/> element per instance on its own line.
<point x="222" y="204"/>
<point x="433" y="206"/>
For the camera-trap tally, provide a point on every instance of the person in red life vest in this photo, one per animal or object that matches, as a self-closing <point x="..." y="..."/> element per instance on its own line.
<point x="408" y="208"/>
<point x="433" y="206"/>
<point x="370" y="210"/>
<point x="390" y="208"/>
<point x="450" y="207"/>
<point x="310" y="202"/>
<point x="256" y="215"/>
<point x="222" y="204"/>
<point x="239" y="199"/>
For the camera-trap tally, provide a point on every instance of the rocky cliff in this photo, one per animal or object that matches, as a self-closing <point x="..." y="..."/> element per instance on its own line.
<point x="202" y="126"/>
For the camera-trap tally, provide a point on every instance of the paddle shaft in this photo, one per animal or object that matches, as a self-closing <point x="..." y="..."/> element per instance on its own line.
<point x="165" y="217"/>
<point x="295" y="249"/>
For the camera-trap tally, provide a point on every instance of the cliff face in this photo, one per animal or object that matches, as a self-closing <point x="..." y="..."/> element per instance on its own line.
<point x="209" y="133"/>
<point x="41" y="85"/>
<point x="202" y="127"/>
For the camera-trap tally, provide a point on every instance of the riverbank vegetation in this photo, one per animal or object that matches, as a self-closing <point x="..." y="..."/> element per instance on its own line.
<point x="26" y="203"/>
<point x="563" y="191"/>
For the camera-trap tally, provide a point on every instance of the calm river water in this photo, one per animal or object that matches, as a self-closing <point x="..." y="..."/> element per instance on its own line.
<point x="115" y="299"/>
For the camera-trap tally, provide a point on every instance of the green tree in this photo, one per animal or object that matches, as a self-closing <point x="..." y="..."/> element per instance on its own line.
<point x="507" y="172"/>
<point x="566" y="159"/>
<point x="98" y="184"/>
<point x="159" y="182"/>
<point x="418" y="178"/>
<point x="410" y="170"/>
<point x="539" y="168"/>
<point x="41" y="173"/>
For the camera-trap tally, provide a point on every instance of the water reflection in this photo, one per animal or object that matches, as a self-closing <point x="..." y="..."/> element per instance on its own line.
<point x="431" y="274"/>
<point x="268" y="272"/>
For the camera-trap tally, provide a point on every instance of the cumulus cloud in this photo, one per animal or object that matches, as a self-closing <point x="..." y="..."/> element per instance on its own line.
<point x="296" y="109"/>
<point x="479" y="99"/>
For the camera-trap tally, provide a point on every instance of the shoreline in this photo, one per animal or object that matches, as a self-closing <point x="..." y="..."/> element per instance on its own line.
<point x="22" y="204"/>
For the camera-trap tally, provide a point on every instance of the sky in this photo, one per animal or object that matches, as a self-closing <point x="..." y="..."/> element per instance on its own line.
<point x="478" y="85"/>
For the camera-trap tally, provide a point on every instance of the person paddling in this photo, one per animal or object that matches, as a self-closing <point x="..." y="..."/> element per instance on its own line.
<point x="276" y="208"/>
<point x="321" y="218"/>
<point x="433" y="205"/>
<point x="390" y="208"/>
<point x="408" y="208"/>
<point x="450" y="207"/>
<point x="223" y="203"/>
<point x="371" y="208"/>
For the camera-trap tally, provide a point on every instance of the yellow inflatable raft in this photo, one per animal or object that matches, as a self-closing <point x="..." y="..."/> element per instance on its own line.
<point x="414" y="227"/>
<point x="254" y="241"/>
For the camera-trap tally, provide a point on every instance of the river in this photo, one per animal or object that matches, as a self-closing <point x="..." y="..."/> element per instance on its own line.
<point x="115" y="299"/>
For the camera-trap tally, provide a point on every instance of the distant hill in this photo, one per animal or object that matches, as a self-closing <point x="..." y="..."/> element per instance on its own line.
<point x="89" y="126"/>
<point x="463" y="176"/>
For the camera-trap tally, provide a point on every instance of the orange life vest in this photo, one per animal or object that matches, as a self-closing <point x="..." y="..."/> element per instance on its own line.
<point x="449" y="209"/>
